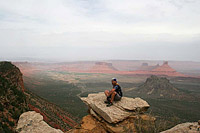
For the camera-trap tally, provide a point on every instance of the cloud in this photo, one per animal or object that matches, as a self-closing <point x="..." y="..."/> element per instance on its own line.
<point x="97" y="26"/>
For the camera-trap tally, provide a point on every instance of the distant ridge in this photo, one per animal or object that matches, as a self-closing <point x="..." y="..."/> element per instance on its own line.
<point x="104" y="67"/>
<point x="163" y="70"/>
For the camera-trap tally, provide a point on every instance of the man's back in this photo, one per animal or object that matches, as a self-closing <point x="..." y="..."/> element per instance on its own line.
<point x="118" y="89"/>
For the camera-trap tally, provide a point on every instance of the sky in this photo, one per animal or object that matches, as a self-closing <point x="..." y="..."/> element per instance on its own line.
<point x="71" y="30"/>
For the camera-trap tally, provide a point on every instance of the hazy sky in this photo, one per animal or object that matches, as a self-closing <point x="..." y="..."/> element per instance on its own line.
<point x="100" y="29"/>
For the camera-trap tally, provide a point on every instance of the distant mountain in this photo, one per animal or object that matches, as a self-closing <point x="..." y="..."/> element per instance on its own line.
<point x="164" y="68"/>
<point x="103" y="67"/>
<point x="15" y="99"/>
<point x="160" y="87"/>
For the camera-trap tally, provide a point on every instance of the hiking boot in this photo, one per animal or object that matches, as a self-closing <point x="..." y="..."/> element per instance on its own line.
<point x="109" y="104"/>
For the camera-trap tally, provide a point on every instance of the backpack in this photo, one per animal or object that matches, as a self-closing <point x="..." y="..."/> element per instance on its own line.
<point x="119" y="90"/>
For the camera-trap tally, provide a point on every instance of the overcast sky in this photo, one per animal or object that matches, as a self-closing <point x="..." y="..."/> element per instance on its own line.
<point x="100" y="29"/>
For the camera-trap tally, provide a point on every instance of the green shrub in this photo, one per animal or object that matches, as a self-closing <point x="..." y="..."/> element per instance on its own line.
<point x="4" y="119"/>
<point x="5" y="66"/>
<point x="6" y="129"/>
<point x="16" y="114"/>
<point x="11" y="111"/>
<point x="1" y="107"/>
<point x="11" y="123"/>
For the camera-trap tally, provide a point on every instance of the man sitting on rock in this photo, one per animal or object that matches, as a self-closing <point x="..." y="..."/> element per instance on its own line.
<point x="115" y="94"/>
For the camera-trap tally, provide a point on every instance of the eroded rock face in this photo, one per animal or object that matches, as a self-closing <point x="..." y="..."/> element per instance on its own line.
<point x="89" y="125"/>
<point x="32" y="122"/>
<point x="132" y="124"/>
<point x="189" y="127"/>
<point x="119" y="111"/>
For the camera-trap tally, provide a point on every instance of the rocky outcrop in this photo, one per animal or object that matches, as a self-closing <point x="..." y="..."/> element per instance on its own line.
<point x="189" y="127"/>
<point x="119" y="111"/>
<point x="32" y="122"/>
<point x="125" y="115"/>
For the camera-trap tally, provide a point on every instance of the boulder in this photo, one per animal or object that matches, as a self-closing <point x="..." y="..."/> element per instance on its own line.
<point x="188" y="127"/>
<point x="120" y="109"/>
<point x="32" y="122"/>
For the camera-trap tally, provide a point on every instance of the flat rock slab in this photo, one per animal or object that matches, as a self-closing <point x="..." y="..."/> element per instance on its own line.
<point x="119" y="111"/>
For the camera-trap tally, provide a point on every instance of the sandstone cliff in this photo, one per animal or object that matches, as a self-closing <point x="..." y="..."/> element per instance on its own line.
<point x="13" y="101"/>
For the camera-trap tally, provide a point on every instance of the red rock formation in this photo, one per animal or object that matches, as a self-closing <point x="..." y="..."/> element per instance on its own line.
<point x="165" y="69"/>
<point x="146" y="67"/>
<point x="102" y="67"/>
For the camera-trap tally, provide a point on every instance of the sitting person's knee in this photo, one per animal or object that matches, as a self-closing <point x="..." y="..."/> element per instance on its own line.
<point x="114" y="93"/>
<point x="106" y="92"/>
<point x="113" y="90"/>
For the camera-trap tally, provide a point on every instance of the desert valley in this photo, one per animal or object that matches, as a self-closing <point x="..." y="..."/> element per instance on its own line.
<point x="173" y="96"/>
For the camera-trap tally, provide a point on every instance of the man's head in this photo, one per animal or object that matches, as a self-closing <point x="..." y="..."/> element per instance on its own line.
<point x="114" y="81"/>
